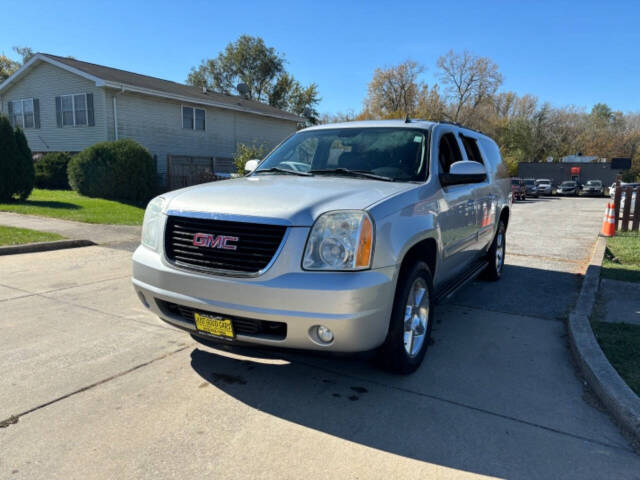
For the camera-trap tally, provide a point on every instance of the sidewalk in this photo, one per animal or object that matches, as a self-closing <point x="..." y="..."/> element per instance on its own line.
<point x="125" y="236"/>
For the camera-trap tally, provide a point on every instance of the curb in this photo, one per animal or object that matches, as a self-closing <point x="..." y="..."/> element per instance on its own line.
<point x="603" y="379"/>
<point x="44" y="246"/>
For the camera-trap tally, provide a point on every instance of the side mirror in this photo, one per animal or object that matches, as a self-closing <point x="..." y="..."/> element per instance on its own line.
<point x="464" y="172"/>
<point x="251" y="165"/>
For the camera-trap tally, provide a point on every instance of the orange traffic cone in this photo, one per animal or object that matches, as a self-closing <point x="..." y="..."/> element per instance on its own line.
<point x="608" y="222"/>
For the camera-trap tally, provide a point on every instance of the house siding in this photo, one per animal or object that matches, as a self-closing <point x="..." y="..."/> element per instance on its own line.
<point x="45" y="82"/>
<point x="157" y="124"/>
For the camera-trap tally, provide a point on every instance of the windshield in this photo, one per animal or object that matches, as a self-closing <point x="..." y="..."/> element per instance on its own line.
<point x="568" y="184"/>
<point x="515" y="182"/>
<point x="529" y="182"/>
<point x="396" y="153"/>
<point x="542" y="181"/>
<point x="594" y="183"/>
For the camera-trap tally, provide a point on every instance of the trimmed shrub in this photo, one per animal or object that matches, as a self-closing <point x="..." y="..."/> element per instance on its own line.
<point x="51" y="171"/>
<point x="25" y="171"/>
<point x="16" y="164"/>
<point x="8" y="149"/>
<point x="244" y="153"/>
<point x="120" y="170"/>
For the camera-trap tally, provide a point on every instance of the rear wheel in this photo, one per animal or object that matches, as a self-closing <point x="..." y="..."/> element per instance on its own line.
<point x="411" y="318"/>
<point x="497" y="253"/>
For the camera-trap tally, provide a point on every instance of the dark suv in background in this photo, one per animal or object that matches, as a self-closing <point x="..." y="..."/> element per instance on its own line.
<point x="531" y="190"/>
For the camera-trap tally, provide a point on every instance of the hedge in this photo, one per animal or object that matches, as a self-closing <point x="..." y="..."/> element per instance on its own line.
<point x="51" y="171"/>
<point x="120" y="170"/>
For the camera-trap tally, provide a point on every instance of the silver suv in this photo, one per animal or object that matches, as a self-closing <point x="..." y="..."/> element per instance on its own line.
<point x="343" y="238"/>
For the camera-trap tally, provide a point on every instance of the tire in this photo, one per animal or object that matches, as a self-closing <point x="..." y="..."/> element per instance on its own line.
<point x="496" y="254"/>
<point x="393" y="355"/>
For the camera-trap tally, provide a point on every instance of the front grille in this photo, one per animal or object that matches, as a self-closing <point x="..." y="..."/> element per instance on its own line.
<point x="242" y="326"/>
<point x="256" y="245"/>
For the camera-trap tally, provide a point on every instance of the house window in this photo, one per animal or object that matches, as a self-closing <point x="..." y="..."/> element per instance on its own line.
<point x="74" y="110"/>
<point x="193" y="118"/>
<point x="22" y="113"/>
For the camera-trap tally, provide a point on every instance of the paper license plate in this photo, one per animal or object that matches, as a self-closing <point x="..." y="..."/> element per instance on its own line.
<point x="214" y="325"/>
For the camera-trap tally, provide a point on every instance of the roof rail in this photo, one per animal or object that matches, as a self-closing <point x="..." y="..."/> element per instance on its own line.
<point x="462" y="126"/>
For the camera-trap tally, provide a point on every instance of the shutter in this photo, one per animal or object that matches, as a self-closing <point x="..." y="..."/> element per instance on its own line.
<point x="59" y="111"/>
<point x="90" y="116"/>
<point x="10" y="111"/>
<point x="36" y="113"/>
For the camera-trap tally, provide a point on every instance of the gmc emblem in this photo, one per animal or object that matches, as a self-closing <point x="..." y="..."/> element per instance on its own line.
<point x="214" y="241"/>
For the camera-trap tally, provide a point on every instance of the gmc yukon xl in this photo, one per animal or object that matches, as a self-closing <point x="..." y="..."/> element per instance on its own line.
<point x="342" y="239"/>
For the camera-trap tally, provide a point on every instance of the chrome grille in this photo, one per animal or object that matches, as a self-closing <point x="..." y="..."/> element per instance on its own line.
<point x="255" y="248"/>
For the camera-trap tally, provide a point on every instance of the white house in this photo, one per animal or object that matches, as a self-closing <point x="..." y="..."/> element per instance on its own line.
<point x="65" y="104"/>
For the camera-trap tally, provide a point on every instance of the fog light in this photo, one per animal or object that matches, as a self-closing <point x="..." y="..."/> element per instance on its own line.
<point x="324" y="334"/>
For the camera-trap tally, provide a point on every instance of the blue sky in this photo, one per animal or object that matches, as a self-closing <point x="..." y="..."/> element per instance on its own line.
<point x="568" y="53"/>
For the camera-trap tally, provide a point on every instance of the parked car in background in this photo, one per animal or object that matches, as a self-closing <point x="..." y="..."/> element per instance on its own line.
<point x="530" y="187"/>
<point x="350" y="253"/>
<point x="544" y="186"/>
<point x="518" y="190"/>
<point x="623" y="200"/>
<point x="568" y="187"/>
<point x="593" y="188"/>
<point x="623" y="185"/>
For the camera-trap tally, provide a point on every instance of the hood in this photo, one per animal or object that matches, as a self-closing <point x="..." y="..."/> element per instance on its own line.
<point x="291" y="200"/>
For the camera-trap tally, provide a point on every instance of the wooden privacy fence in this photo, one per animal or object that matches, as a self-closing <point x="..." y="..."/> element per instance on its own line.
<point x="627" y="208"/>
<point x="183" y="171"/>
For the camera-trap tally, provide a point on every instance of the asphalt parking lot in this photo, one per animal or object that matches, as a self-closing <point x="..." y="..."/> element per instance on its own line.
<point x="102" y="389"/>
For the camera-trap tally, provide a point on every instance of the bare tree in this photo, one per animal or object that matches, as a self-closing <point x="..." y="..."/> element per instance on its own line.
<point x="394" y="91"/>
<point x="469" y="80"/>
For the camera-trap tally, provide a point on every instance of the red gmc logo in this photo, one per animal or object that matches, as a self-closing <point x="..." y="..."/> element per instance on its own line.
<point x="214" y="241"/>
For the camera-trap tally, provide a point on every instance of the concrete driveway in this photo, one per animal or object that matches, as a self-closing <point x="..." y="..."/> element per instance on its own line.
<point x="105" y="390"/>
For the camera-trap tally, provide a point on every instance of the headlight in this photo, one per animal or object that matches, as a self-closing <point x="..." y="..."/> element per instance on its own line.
<point x="152" y="223"/>
<point x="340" y="240"/>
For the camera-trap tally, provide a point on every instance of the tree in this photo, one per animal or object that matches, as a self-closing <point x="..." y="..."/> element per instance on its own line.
<point x="394" y="91"/>
<point x="288" y="94"/>
<point x="7" y="67"/>
<point x="469" y="81"/>
<point x="247" y="60"/>
<point x="25" y="52"/>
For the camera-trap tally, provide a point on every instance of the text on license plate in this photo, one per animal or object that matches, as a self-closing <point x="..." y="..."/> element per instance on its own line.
<point x="214" y="325"/>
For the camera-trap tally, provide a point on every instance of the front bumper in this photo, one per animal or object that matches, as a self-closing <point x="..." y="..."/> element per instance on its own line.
<point x="356" y="306"/>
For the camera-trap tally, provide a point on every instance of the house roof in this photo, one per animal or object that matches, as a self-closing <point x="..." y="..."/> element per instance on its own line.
<point x="144" y="84"/>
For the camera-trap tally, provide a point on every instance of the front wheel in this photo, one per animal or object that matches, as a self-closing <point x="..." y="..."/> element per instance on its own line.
<point x="497" y="253"/>
<point x="411" y="318"/>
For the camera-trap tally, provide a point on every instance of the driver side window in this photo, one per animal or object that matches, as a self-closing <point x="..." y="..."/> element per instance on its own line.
<point x="448" y="152"/>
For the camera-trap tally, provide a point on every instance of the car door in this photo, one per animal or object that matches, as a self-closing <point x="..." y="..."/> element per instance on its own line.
<point x="457" y="217"/>
<point x="484" y="194"/>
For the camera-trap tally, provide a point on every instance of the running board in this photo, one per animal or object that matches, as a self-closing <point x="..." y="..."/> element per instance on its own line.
<point x="451" y="288"/>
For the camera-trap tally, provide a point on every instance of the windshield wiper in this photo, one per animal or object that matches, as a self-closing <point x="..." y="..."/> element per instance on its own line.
<point x="283" y="170"/>
<point x="353" y="173"/>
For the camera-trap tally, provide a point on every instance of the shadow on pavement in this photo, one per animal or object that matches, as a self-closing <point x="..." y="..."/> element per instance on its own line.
<point x="497" y="394"/>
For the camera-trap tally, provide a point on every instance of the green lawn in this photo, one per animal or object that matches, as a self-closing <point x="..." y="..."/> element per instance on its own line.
<point x="69" y="205"/>
<point x="18" y="236"/>
<point x="620" y="342"/>
<point x="622" y="260"/>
